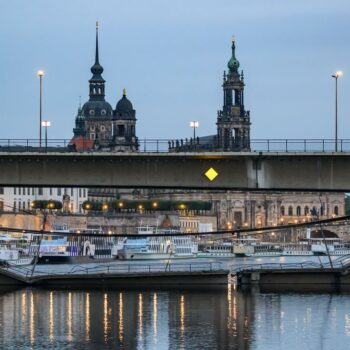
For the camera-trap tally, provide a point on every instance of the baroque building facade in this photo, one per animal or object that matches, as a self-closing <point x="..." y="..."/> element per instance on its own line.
<point x="97" y="124"/>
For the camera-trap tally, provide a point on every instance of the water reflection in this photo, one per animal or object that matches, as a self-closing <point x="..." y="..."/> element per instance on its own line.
<point x="233" y="319"/>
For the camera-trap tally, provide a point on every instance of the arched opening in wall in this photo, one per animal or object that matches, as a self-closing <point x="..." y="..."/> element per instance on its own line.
<point x="282" y="210"/>
<point x="298" y="210"/>
<point x="306" y="210"/>
<point x="322" y="210"/>
<point x="290" y="210"/>
<point x="336" y="210"/>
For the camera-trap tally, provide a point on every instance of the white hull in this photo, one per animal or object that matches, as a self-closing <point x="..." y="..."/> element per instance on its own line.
<point x="141" y="256"/>
<point x="151" y="256"/>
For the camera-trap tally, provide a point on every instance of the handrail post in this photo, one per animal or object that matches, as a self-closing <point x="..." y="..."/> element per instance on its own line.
<point x="268" y="145"/>
<point x="304" y="145"/>
<point x="323" y="145"/>
<point x="286" y="145"/>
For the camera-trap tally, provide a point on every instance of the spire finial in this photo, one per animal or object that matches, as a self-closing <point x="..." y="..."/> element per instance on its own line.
<point x="124" y="92"/>
<point x="96" y="54"/>
<point x="233" y="63"/>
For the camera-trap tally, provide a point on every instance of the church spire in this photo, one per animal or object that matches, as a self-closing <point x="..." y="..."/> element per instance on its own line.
<point x="96" y="53"/>
<point x="97" y="83"/>
<point x="97" y="69"/>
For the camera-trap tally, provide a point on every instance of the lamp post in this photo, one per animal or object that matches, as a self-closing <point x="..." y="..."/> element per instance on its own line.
<point x="40" y="75"/>
<point x="336" y="76"/>
<point x="194" y="125"/>
<point x="45" y="124"/>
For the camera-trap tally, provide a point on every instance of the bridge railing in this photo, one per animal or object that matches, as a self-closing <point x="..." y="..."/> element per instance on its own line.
<point x="171" y="145"/>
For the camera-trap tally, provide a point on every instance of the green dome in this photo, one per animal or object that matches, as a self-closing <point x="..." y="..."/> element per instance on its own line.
<point x="233" y="63"/>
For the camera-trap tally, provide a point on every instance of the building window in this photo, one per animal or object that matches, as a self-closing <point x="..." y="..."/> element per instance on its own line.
<point x="40" y="191"/>
<point x="306" y="210"/>
<point x="103" y="128"/>
<point x="298" y="210"/>
<point x="14" y="206"/>
<point x="80" y="192"/>
<point x="24" y="191"/>
<point x="282" y="210"/>
<point x="19" y="190"/>
<point x="290" y="211"/>
<point x="59" y="191"/>
<point x="32" y="191"/>
<point x="1" y="205"/>
<point x="92" y="128"/>
<point x="15" y="190"/>
<point x="84" y="192"/>
<point x="71" y="192"/>
<point x="24" y="205"/>
<point x="50" y="191"/>
<point x="1" y="190"/>
<point x="19" y="205"/>
<point x="92" y="136"/>
<point x="336" y="210"/>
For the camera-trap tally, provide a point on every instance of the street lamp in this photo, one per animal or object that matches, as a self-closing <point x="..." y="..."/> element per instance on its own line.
<point x="336" y="76"/>
<point x="194" y="125"/>
<point x="45" y="124"/>
<point x="40" y="73"/>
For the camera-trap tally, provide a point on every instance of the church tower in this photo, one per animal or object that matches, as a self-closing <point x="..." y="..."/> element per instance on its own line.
<point x="97" y="111"/>
<point x="124" y="126"/>
<point x="233" y="122"/>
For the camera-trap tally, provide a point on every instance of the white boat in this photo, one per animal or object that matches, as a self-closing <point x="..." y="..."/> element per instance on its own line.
<point x="216" y="250"/>
<point x="296" y="249"/>
<point x="156" y="247"/>
<point x="14" y="251"/>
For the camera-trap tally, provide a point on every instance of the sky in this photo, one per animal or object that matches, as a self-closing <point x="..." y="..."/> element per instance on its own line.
<point x="170" y="57"/>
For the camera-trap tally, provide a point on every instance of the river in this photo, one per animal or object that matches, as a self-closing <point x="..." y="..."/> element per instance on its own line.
<point x="33" y="318"/>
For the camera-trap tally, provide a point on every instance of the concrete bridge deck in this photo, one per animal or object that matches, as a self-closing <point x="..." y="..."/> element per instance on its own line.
<point x="298" y="171"/>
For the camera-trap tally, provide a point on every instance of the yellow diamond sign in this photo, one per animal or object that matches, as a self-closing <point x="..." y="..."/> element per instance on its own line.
<point x="211" y="174"/>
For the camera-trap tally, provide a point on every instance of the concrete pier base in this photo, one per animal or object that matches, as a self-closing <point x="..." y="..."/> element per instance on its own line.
<point x="294" y="278"/>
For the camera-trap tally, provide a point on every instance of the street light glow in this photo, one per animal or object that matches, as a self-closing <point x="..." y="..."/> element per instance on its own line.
<point x="40" y="73"/>
<point x="45" y="123"/>
<point x="194" y="124"/>
<point x="339" y="73"/>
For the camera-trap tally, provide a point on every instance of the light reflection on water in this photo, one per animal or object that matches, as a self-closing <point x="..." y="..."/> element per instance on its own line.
<point x="231" y="319"/>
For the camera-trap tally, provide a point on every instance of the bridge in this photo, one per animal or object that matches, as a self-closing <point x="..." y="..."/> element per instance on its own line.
<point x="302" y="165"/>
